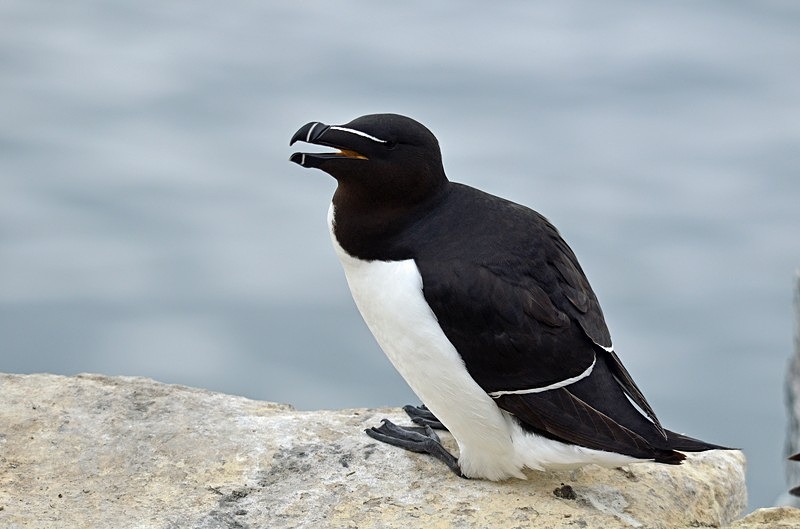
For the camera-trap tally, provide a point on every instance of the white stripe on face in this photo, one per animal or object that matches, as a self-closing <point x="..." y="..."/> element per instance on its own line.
<point x="356" y="132"/>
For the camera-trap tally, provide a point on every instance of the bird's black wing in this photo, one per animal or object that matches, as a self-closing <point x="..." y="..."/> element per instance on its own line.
<point x="529" y="321"/>
<point x="585" y="310"/>
<point x="537" y="362"/>
<point x="511" y="336"/>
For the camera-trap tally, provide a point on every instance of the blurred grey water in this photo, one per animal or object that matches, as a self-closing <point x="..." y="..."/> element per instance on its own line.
<point x="150" y="223"/>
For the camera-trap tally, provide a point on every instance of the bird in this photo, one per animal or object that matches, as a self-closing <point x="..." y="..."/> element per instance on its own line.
<point x="482" y="308"/>
<point x="794" y="491"/>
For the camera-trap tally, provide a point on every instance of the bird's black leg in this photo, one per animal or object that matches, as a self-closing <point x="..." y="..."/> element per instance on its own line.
<point x="422" y="415"/>
<point x="421" y="439"/>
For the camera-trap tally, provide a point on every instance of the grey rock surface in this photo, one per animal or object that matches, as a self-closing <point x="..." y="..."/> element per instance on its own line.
<point x="96" y="451"/>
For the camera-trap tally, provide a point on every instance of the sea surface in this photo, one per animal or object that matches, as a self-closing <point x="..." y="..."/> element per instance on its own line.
<point x="151" y="224"/>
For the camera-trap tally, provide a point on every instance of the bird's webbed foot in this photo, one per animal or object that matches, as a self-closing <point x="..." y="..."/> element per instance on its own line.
<point x="420" y="439"/>
<point x="422" y="415"/>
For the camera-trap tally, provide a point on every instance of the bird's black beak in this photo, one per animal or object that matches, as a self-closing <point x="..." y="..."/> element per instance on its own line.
<point x="309" y="132"/>
<point x="317" y="133"/>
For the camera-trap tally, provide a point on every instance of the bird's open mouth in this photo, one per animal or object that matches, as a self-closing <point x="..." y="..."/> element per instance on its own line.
<point x="352" y="154"/>
<point x="343" y="153"/>
<point x="301" y="158"/>
<point x="312" y="133"/>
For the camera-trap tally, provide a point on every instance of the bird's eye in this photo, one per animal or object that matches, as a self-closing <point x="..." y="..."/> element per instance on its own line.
<point x="391" y="145"/>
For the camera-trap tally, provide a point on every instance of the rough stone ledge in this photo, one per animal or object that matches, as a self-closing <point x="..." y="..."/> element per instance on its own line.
<point x="96" y="451"/>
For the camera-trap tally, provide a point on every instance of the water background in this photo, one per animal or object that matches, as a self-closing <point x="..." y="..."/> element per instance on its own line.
<point x="150" y="223"/>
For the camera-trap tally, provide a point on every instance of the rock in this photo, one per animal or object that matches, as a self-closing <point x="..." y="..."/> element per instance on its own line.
<point x="776" y="518"/>
<point x="95" y="451"/>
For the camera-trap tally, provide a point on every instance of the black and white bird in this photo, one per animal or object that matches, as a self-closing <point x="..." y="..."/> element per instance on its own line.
<point x="483" y="309"/>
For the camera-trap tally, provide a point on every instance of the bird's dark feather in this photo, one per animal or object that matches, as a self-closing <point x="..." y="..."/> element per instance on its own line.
<point x="594" y="413"/>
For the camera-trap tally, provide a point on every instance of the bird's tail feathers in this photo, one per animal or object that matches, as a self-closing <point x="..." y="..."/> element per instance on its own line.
<point x="684" y="443"/>
<point x="678" y="443"/>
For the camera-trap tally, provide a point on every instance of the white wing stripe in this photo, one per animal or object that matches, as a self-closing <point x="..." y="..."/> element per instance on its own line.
<point x="565" y="382"/>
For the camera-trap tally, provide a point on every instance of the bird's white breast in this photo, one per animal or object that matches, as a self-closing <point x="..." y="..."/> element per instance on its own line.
<point x="389" y="296"/>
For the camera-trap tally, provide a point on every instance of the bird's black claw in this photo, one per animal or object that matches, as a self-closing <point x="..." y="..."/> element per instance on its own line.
<point x="420" y="439"/>
<point x="422" y="415"/>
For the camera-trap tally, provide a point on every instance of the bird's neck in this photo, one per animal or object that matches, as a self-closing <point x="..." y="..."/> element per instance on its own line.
<point x="372" y="230"/>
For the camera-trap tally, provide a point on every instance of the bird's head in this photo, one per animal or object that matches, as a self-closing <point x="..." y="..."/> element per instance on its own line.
<point x="379" y="158"/>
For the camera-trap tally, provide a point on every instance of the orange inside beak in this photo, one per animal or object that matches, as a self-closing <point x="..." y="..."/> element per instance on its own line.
<point x="352" y="154"/>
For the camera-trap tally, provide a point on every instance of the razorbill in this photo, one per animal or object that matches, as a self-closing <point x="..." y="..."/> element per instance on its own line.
<point x="483" y="309"/>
